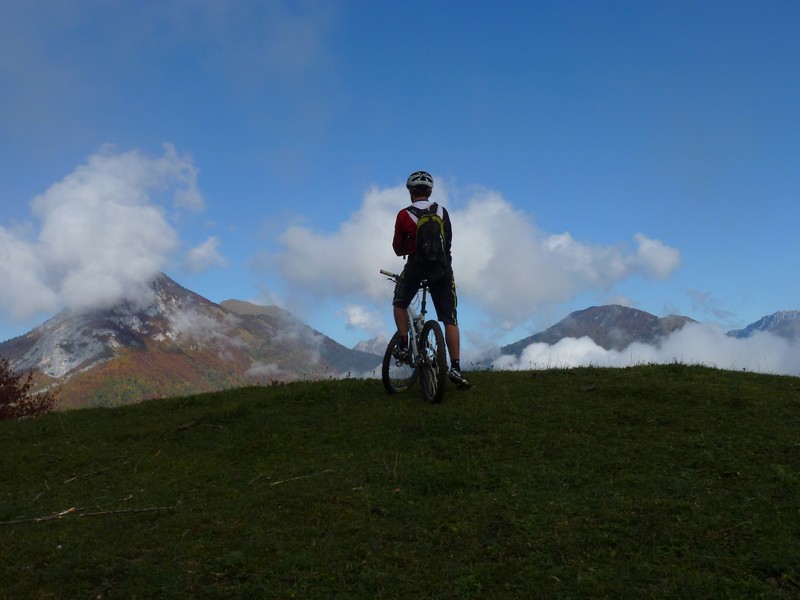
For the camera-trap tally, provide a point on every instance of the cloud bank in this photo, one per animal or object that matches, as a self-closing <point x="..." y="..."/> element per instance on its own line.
<point x="503" y="262"/>
<point x="100" y="234"/>
<point x="695" y="343"/>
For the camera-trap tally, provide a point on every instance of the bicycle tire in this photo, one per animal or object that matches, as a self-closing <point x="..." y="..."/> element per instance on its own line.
<point x="397" y="376"/>
<point x="434" y="362"/>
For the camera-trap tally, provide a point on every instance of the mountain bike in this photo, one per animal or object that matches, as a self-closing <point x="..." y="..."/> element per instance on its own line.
<point x="426" y="358"/>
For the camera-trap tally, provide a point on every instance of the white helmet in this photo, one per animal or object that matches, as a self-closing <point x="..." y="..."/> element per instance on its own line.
<point x="420" y="179"/>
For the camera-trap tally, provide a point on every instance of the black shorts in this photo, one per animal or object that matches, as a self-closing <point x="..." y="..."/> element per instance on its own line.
<point x="442" y="292"/>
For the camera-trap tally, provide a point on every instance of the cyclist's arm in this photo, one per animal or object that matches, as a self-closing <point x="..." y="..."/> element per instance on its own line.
<point x="404" y="229"/>
<point x="448" y="233"/>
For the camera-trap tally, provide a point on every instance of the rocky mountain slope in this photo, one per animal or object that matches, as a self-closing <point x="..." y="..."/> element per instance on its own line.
<point x="784" y="323"/>
<point x="612" y="327"/>
<point x="176" y="342"/>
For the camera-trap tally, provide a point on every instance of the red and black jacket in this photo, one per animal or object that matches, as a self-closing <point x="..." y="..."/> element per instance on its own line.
<point x="405" y="228"/>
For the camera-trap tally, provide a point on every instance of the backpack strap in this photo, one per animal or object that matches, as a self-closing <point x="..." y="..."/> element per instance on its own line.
<point x="416" y="211"/>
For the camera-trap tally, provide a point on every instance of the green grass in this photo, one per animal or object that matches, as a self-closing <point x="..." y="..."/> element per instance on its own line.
<point x="647" y="482"/>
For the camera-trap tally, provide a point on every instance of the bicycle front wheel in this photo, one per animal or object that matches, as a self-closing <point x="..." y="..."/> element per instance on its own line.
<point x="397" y="375"/>
<point x="434" y="362"/>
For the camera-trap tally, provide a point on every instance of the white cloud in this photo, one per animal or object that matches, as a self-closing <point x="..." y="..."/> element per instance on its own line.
<point x="655" y="258"/>
<point x="360" y="317"/>
<point x="22" y="292"/>
<point x="345" y="263"/>
<point x="502" y="261"/>
<point x="695" y="343"/>
<point x="204" y="256"/>
<point x="103" y="233"/>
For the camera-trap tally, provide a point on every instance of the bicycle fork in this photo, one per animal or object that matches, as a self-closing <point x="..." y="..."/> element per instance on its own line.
<point x="415" y="323"/>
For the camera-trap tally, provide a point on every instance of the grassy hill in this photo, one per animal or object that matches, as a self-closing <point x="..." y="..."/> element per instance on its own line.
<point x="654" y="481"/>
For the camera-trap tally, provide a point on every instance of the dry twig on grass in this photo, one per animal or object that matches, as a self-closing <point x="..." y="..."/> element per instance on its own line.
<point x="75" y="511"/>
<point x="301" y="477"/>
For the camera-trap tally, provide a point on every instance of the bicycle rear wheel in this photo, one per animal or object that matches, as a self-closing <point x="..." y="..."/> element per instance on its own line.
<point x="434" y="362"/>
<point x="397" y="376"/>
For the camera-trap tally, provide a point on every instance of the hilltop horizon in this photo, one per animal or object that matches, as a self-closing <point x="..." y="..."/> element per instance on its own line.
<point x="611" y="335"/>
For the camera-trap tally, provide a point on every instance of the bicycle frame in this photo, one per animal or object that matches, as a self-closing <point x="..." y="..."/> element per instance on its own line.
<point x="415" y="320"/>
<point x="415" y="323"/>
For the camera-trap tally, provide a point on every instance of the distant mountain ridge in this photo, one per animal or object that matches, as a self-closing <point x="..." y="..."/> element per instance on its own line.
<point x="613" y="327"/>
<point x="376" y="345"/>
<point x="177" y="342"/>
<point x="784" y="323"/>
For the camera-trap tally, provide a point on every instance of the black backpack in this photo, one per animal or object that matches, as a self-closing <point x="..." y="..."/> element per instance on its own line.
<point x="431" y="253"/>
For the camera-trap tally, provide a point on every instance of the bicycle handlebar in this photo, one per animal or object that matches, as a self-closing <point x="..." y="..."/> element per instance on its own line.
<point x="395" y="277"/>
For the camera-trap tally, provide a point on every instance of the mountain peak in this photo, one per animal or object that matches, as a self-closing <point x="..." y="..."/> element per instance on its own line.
<point x="171" y="342"/>
<point x="613" y="327"/>
<point x="77" y="340"/>
<point x="784" y="323"/>
<point x="376" y="345"/>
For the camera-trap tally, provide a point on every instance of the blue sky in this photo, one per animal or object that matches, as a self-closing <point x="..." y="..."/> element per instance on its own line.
<point x="644" y="153"/>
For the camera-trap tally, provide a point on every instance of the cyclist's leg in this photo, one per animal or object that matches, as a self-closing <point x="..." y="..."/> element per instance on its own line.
<point x="401" y="320"/>
<point x="445" y="300"/>
<point x="452" y="339"/>
<point x="404" y="292"/>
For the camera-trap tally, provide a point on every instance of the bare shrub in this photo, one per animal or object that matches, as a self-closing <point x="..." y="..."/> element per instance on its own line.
<point x="16" y="399"/>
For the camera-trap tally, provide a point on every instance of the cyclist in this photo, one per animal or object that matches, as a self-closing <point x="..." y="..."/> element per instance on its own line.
<point x="442" y="285"/>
